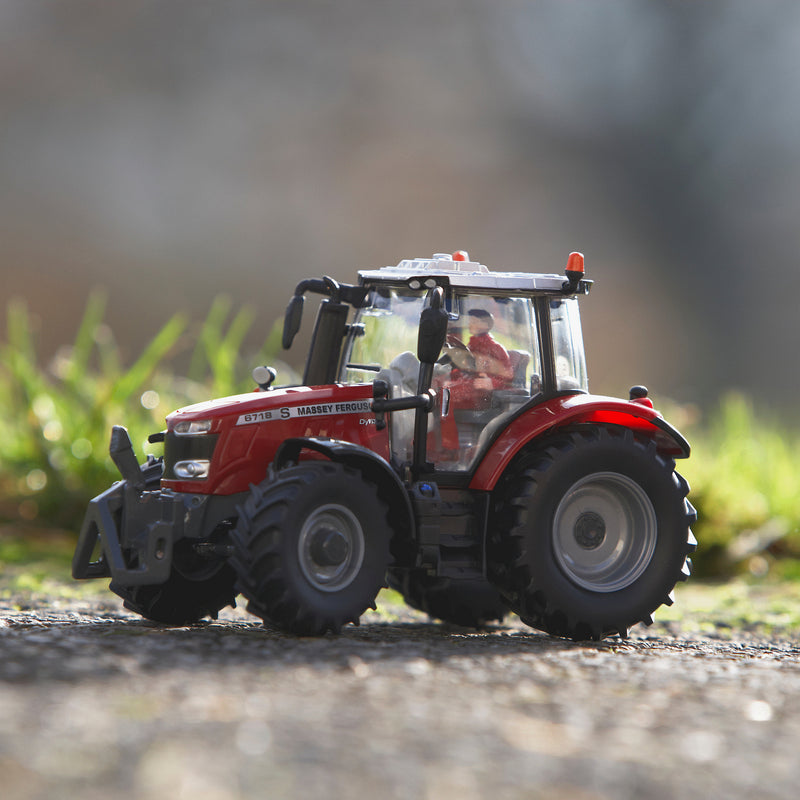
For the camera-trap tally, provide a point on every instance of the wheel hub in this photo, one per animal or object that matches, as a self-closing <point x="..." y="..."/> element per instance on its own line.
<point x="590" y="530"/>
<point x="329" y="547"/>
<point x="604" y="532"/>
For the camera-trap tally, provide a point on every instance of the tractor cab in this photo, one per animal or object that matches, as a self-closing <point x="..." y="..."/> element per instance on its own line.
<point x="511" y="340"/>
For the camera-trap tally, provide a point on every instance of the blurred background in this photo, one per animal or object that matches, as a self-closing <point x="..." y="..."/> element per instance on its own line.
<point x="173" y="151"/>
<point x="167" y="154"/>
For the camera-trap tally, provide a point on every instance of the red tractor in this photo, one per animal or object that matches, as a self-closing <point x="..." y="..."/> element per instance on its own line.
<point x="443" y="441"/>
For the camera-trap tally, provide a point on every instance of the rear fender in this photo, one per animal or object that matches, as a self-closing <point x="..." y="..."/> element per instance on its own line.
<point x="570" y="410"/>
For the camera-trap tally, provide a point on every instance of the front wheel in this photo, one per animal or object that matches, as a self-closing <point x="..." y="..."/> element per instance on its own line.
<point x="194" y="590"/>
<point x="593" y="533"/>
<point x="311" y="548"/>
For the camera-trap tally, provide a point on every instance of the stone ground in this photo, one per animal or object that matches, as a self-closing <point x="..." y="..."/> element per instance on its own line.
<point x="97" y="703"/>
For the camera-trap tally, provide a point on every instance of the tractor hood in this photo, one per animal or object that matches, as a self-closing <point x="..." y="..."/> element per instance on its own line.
<point x="282" y="403"/>
<point x="222" y="446"/>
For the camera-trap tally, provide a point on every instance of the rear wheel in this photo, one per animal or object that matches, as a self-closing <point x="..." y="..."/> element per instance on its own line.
<point x="311" y="548"/>
<point x="592" y="535"/>
<point x="471" y="603"/>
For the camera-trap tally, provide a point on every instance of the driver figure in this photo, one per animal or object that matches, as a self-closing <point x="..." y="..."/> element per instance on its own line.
<point x="477" y="370"/>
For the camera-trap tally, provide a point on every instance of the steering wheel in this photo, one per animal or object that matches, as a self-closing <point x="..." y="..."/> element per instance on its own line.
<point x="457" y="353"/>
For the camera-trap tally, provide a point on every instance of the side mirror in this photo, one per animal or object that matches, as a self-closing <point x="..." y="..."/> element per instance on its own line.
<point x="292" y="320"/>
<point x="432" y="328"/>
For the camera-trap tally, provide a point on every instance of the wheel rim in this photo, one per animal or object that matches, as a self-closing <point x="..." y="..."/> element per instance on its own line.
<point x="331" y="548"/>
<point x="604" y="532"/>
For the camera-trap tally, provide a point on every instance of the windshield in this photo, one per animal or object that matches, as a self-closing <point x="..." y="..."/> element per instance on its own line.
<point x="384" y="329"/>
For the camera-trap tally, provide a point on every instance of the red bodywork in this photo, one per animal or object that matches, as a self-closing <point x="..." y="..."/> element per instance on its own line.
<point x="251" y="427"/>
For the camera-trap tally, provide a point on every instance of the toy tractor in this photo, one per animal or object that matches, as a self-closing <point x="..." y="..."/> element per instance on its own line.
<point x="443" y="442"/>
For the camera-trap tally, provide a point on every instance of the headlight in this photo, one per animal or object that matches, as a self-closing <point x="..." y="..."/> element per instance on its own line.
<point x="190" y="428"/>
<point x="195" y="470"/>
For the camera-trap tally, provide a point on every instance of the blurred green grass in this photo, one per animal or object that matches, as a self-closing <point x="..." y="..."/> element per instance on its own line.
<point x="744" y="473"/>
<point x="56" y="418"/>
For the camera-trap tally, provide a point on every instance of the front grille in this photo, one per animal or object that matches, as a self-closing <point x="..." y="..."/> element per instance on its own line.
<point x="186" y="448"/>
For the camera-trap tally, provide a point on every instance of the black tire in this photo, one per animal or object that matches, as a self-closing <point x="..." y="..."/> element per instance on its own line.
<point x="592" y="533"/>
<point x="311" y="548"/>
<point x="181" y="599"/>
<point x="196" y="588"/>
<point x="470" y="603"/>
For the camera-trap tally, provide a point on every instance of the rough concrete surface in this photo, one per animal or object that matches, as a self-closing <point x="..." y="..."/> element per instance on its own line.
<point x="97" y="703"/>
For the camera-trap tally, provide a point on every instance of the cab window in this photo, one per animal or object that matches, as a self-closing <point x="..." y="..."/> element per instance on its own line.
<point x="570" y="360"/>
<point x="489" y="367"/>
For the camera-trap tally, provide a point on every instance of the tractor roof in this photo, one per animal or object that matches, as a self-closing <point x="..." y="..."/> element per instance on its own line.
<point x="457" y="270"/>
